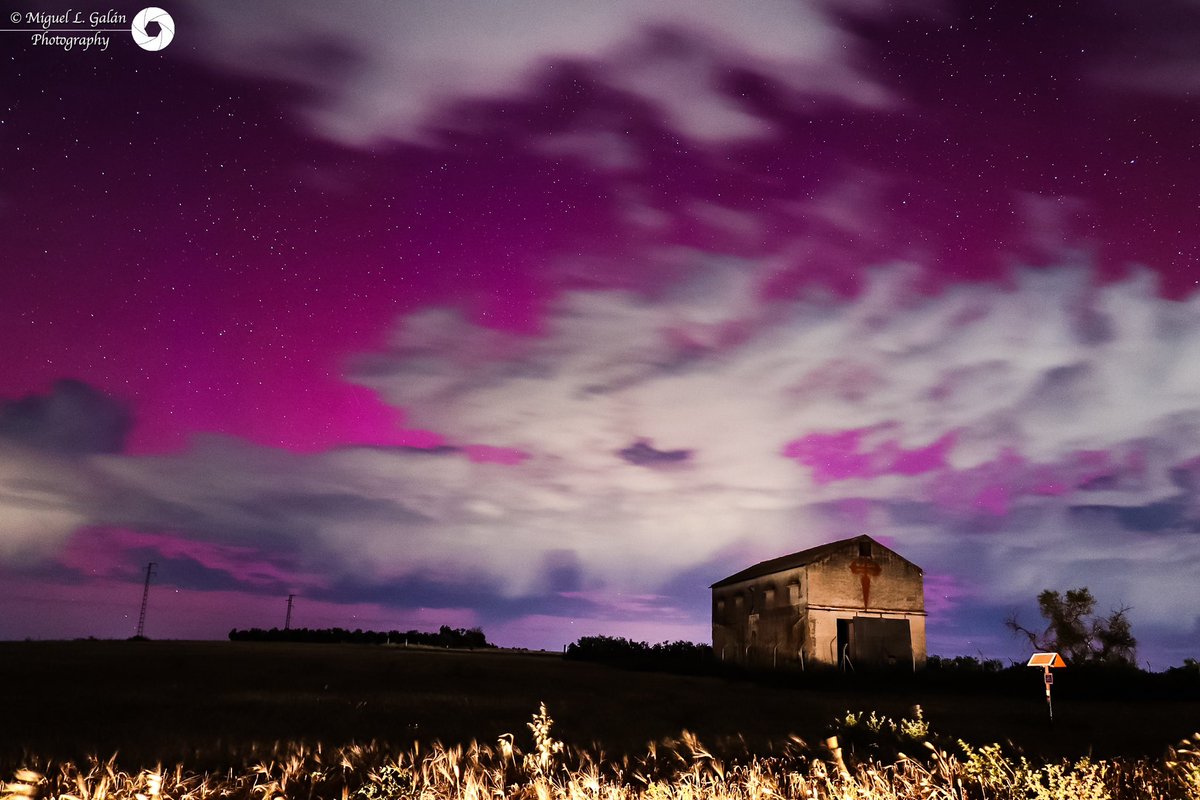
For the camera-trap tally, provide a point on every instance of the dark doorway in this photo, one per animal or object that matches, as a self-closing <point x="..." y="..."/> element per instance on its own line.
<point x="843" y="642"/>
<point x="878" y="642"/>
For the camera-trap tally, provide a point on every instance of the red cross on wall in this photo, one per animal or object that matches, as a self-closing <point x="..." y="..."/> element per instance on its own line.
<point x="865" y="569"/>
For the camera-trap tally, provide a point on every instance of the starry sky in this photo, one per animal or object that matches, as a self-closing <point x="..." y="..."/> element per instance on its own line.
<point x="544" y="316"/>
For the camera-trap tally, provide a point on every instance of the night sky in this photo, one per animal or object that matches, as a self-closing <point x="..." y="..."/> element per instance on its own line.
<point x="543" y="316"/>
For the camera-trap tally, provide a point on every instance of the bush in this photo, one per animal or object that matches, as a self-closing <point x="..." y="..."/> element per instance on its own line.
<point x="680" y="656"/>
<point x="963" y="664"/>
<point x="466" y="638"/>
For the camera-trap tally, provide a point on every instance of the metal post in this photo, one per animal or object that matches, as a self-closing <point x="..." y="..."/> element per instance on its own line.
<point x="835" y="750"/>
<point x="1049" y="678"/>
<point x="141" y="628"/>
<point x="287" y="622"/>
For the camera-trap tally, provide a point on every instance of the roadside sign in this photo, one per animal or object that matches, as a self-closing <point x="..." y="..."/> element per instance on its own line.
<point x="1047" y="661"/>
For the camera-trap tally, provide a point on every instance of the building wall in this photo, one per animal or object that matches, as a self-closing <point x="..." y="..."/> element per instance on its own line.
<point x="825" y="634"/>
<point x="790" y="618"/>
<point x="762" y="622"/>
<point x="891" y="583"/>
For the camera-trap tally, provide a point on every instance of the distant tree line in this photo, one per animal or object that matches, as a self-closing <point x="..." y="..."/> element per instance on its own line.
<point x="682" y="657"/>
<point x="1090" y="680"/>
<point x="968" y="665"/>
<point x="467" y="638"/>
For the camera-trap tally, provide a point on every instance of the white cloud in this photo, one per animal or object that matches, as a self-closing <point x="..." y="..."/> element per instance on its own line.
<point x="385" y="71"/>
<point x="711" y="372"/>
<point x="709" y="369"/>
<point x="36" y="511"/>
<point x="1045" y="369"/>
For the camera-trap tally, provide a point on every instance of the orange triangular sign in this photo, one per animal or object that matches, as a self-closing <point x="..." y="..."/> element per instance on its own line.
<point x="1046" y="660"/>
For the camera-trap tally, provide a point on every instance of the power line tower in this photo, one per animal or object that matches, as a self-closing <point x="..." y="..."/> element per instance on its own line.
<point x="287" y="622"/>
<point x="141" y="628"/>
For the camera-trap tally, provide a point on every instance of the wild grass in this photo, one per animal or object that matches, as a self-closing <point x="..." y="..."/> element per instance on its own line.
<point x="883" y="759"/>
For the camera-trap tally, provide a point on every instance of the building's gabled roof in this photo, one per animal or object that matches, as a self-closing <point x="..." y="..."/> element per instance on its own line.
<point x="803" y="558"/>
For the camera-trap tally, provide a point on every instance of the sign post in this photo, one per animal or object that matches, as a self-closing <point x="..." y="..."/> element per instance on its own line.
<point x="1047" y="661"/>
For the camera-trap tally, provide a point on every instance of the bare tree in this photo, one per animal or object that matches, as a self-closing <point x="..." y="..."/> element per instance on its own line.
<point x="1073" y="630"/>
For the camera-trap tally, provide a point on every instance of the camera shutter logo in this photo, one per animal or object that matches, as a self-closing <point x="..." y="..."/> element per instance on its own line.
<point x="164" y="24"/>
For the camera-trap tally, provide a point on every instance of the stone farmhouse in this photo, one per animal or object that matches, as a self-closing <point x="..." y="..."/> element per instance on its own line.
<point x="852" y="604"/>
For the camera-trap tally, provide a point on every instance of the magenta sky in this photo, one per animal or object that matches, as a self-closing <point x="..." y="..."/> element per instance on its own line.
<point x="544" y="317"/>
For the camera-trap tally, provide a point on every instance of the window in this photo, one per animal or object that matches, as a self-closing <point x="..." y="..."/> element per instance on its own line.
<point x="794" y="594"/>
<point x="769" y="597"/>
<point x="864" y="549"/>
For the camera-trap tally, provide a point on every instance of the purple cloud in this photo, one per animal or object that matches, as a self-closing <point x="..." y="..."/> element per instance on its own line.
<point x="644" y="454"/>
<point x="839" y="456"/>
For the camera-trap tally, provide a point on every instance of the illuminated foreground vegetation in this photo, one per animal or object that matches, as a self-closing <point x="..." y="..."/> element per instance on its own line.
<point x="864" y="762"/>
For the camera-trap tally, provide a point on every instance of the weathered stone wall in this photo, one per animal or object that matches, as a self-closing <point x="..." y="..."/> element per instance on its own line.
<point x="824" y="634"/>
<point x="878" y="581"/>
<point x="763" y="621"/>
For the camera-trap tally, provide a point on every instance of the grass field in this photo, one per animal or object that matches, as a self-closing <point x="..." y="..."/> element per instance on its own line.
<point x="212" y="704"/>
